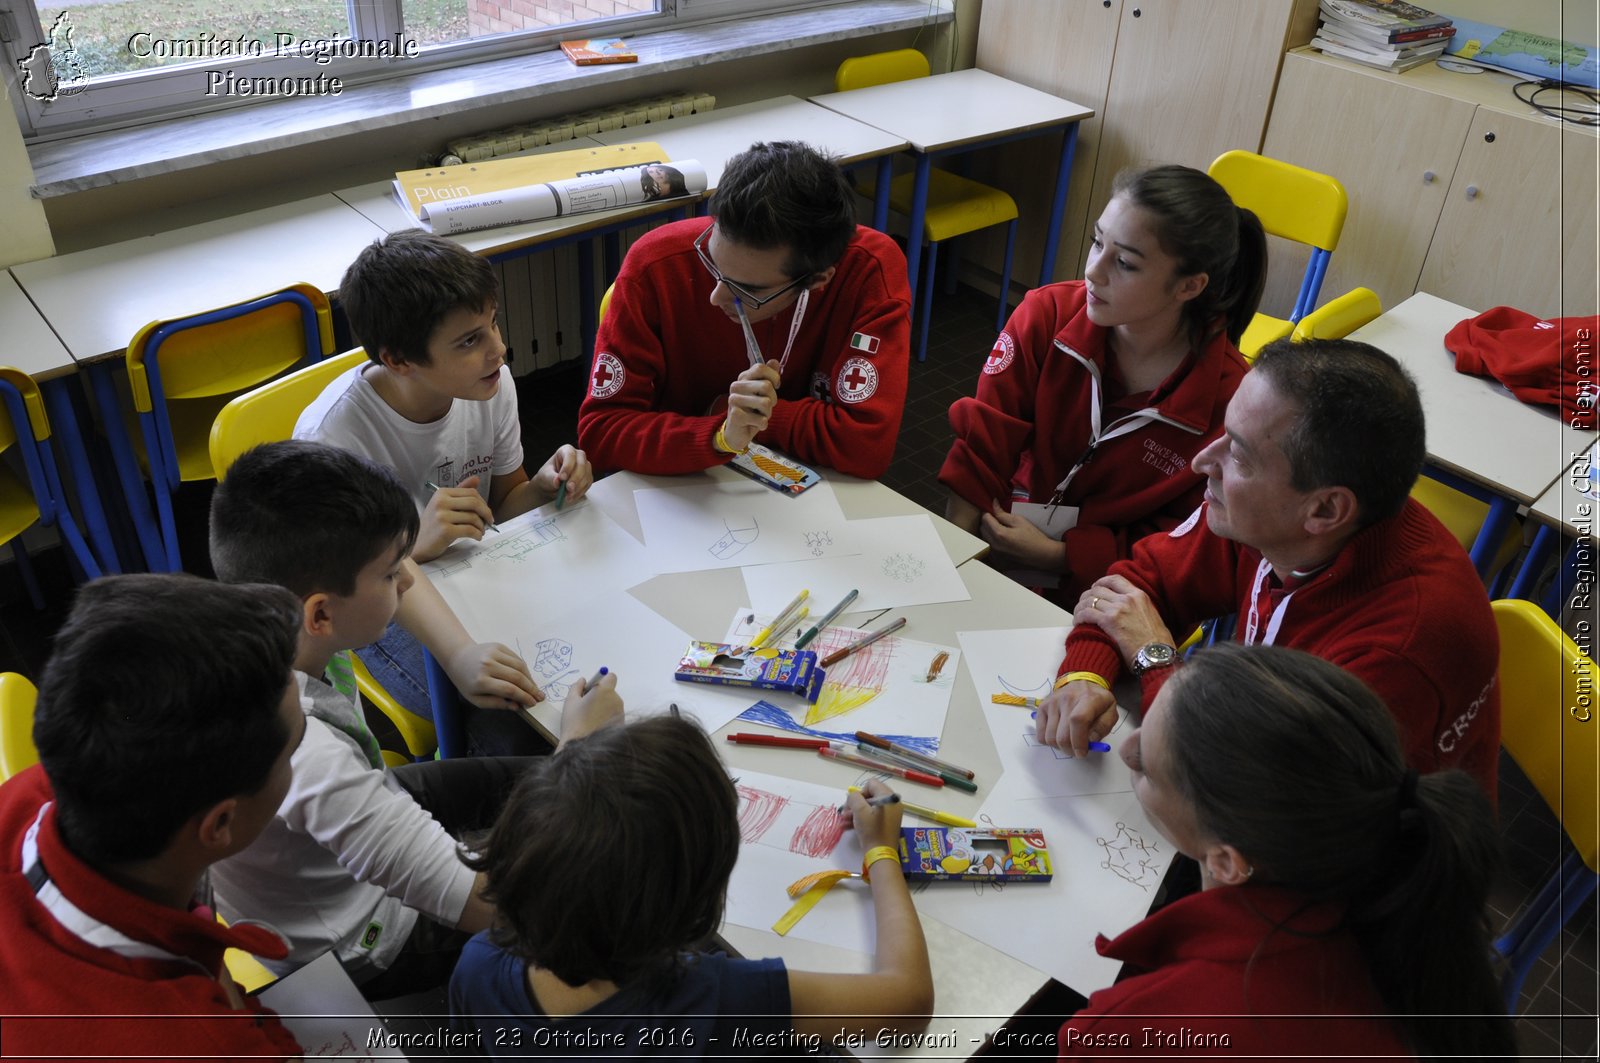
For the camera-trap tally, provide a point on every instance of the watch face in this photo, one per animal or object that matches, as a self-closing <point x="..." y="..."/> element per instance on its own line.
<point x="1155" y="655"/>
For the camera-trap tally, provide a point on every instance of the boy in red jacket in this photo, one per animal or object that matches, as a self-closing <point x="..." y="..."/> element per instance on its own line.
<point x="817" y="366"/>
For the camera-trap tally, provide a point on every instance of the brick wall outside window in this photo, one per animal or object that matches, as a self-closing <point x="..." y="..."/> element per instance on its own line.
<point x="505" y="16"/>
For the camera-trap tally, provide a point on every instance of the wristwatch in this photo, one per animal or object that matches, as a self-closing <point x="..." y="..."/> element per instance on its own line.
<point x="1154" y="655"/>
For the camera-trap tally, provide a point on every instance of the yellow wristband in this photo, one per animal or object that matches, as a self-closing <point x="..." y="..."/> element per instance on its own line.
<point x="874" y="854"/>
<point x="1090" y="677"/>
<point x="720" y="441"/>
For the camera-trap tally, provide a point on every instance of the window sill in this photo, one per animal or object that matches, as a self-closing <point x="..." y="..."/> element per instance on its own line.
<point x="98" y="160"/>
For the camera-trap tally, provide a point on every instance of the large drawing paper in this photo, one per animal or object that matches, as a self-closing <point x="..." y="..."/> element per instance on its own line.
<point x="1024" y="662"/>
<point x="900" y="561"/>
<point x="1108" y="860"/>
<point x="326" y="1013"/>
<point x="537" y="564"/>
<point x="883" y="688"/>
<point x="632" y="641"/>
<point x="790" y="829"/>
<point x="727" y="524"/>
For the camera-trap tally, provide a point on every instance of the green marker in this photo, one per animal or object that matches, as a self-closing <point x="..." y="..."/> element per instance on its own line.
<point x="830" y="617"/>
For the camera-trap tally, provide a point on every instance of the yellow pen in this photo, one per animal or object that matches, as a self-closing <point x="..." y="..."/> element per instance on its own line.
<point x="766" y="632"/>
<point x="930" y="813"/>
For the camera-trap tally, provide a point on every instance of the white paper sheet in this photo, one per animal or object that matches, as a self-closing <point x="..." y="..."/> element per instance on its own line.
<point x="1024" y="662"/>
<point x="900" y="561"/>
<point x="883" y="688"/>
<point x="538" y="563"/>
<point x="1108" y="861"/>
<point x="790" y="829"/>
<point x="637" y="644"/>
<point x="326" y="1013"/>
<point x="727" y="524"/>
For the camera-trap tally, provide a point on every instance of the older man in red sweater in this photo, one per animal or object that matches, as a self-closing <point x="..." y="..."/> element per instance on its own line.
<point x="1308" y="533"/>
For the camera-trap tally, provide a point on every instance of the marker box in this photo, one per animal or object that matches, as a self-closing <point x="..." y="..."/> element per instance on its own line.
<point x="1010" y="854"/>
<point x="777" y="471"/>
<point x="729" y="664"/>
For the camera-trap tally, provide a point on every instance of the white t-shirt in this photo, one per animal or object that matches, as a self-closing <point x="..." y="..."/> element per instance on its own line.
<point x="483" y="438"/>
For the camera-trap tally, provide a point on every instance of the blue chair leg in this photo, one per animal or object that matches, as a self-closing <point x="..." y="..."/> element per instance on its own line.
<point x="1487" y="544"/>
<point x="68" y="429"/>
<point x="1580" y="556"/>
<point x="447" y="723"/>
<point x="1005" y="277"/>
<point x="121" y="446"/>
<point x="1525" y="941"/>
<point x="30" y="580"/>
<point x="925" y="312"/>
<point x="161" y="483"/>
<point x="1543" y="540"/>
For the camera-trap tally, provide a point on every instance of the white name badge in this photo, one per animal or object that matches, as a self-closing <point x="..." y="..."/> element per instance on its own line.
<point x="1054" y="521"/>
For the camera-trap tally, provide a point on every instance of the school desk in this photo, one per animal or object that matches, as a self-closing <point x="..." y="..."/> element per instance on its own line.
<point x="1570" y="506"/>
<point x="1481" y="437"/>
<point x="962" y="111"/>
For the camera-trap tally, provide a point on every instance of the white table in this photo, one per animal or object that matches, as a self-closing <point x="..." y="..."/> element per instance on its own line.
<point x="1569" y="506"/>
<point x="31" y="345"/>
<point x="961" y="111"/>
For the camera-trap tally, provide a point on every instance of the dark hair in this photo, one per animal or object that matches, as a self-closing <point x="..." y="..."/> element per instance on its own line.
<point x="1360" y="421"/>
<point x="400" y="288"/>
<point x="161" y="698"/>
<point x="1198" y="224"/>
<point x="787" y="194"/>
<point x="613" y="855"/>
<point x="1295" y="763"/>
<point x="308" y="517"/>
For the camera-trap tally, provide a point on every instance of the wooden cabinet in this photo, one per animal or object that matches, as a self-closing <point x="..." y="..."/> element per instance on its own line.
<point x="1169" y="82"/>
<point x="1456" y="188"/>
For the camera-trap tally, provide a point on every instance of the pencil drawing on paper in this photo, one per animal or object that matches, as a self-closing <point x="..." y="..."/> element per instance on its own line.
<point x="734" y="539"/>
<point x="515" y="546"/>
<point x="818" y="542"/>
<point x="551" y="662"/>
<point x="905" y="568"/>
<point x="1131" y="858"/>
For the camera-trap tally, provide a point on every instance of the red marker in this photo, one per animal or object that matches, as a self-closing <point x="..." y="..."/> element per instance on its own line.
<point x="747" y="739"/>
<point x="908" y="774"/>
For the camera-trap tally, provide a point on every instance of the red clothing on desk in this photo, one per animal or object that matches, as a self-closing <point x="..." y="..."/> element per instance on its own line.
<point x="74" y="945"/>
<point x="664" y="355"/>
<point x="1212" y="966"/>
<point x="1030" y="424"/>
<point x="1400" y="607"/>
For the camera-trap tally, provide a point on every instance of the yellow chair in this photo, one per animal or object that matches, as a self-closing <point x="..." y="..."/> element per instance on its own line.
<point x="1550" y="725"/>
<point x="1337" y="318"/>
<point x="268" y="414"/>
<point x="181" y="373"/>
<point x="1293" y="203"/>
<point x="955" y="205"/>
<point x="39" y="499"/>
<point x="605" y="303"/>
<point x="17" y="696"/>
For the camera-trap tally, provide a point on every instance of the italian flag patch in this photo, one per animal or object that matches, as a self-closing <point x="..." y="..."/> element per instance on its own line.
<point x="862" y="342"/>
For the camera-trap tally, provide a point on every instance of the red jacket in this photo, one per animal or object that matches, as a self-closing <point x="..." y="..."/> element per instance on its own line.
<point x="1211" y="966"/>
<point x="1546" y="362"/>
<point x="1040" y="375"/>
<point x="1400" y="607"/>
<point x="152" y="973"/>
<point x="664" y="355"/>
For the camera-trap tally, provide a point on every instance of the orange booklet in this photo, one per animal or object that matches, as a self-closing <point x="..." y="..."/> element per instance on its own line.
<point x="589" y="53"/>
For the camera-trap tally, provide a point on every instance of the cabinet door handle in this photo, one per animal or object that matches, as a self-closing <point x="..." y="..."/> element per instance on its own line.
<point x="1472" y="191"/>
<point x="1427" y="177"/>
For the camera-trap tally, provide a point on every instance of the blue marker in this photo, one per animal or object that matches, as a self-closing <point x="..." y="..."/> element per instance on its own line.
<point x="1095" y="747"/>
<point x="605" y="671"/>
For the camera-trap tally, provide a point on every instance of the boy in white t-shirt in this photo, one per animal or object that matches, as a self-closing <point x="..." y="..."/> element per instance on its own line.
<point x="436" y="405"/>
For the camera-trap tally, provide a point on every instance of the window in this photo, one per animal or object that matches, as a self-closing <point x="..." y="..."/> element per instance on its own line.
<point x="93" y="64"/>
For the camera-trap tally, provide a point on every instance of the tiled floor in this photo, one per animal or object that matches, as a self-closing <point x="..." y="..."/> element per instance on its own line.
<point x="1561" y="998"/>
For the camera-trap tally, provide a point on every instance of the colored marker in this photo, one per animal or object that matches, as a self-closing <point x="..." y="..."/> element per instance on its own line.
<point x="751" y="347"/>
<point x="561" y="496"/>
<point x="1094" y="747"/>
<point x="838" y="655"/>
<point x="595" y="679"/>
<point x="906" y="751"/>
<point x="947" y="818"/>
<point x="859" y="761"/>
<point x="829" y="617"/>
<point x="433" y="487"/>
<point x="788" y="625"/>
<point x="887" y="757"/>
<point x="745" y="738"/>
<point x="766" y="632"/>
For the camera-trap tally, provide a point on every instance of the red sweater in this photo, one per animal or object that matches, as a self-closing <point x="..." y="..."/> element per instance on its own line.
<point x="1040" y="374"/>
<point x="1212" y="966"/>
<point x="664" y="355"/>
<point x="152" y="973"/>
<point x="1400" y="608"/>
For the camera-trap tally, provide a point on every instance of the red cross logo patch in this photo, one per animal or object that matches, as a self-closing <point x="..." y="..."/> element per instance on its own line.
<point x="858" y="379"/>
<point x="606" y="378"/>
<point x="1005" y="349"/>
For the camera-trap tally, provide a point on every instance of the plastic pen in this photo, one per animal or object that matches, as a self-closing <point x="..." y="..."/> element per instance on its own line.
<point x="433" y="487"/>
<point x="751" y="347"/>
<point x="766" y="632"/>
<point x="745" y="738"/>
<point x="561" y="496"/>
<point x="829" y="617"/>
<point x="879" y="766"/>
<point x="595" y="679"/>
<point x="780" y="633"/>
<point x="874" y="753"/>
<point x="838" y="655"/>
<point x="946" y="818"/>
<point x="906" y="751"/>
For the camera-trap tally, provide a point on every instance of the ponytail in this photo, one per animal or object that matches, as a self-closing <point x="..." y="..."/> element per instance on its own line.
<point x="1297" y="765"/>
<point x="1197" y="223"/>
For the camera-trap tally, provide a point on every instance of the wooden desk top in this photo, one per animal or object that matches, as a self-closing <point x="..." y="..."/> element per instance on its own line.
<point x="948" y="110"/>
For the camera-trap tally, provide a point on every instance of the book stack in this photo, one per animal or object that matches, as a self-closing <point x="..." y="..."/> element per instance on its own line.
<point x="1388" y="34"/>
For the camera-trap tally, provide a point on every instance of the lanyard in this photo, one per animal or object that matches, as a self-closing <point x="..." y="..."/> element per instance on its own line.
<point x="794" y="327"/>
<point x="1275" y="621"/>
<point x="1122" y="426"/>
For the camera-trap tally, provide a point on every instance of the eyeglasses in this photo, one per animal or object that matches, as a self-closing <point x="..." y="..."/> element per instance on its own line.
<point x="750" y="300"/>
